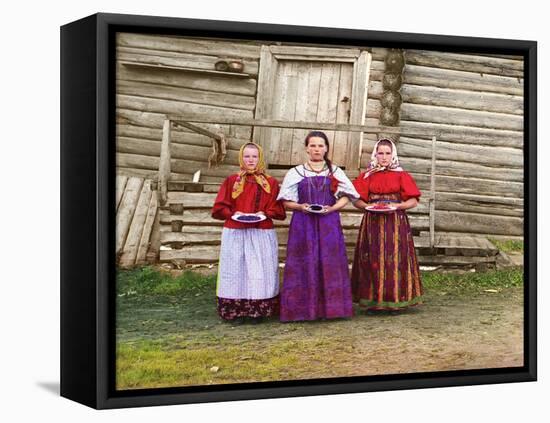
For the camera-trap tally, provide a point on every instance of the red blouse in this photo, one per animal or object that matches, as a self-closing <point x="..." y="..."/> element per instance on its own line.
<point x="253" y="199"/>
<point x="387" y="182"/>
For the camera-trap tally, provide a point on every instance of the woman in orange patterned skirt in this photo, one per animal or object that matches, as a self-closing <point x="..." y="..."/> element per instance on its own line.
<point x="385" y="273"/>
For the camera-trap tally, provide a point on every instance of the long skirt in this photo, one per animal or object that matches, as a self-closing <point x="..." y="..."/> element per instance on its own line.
<point x="385" y="273"/>
<point x="316" y="279"/>
<point x="248" y="276"/>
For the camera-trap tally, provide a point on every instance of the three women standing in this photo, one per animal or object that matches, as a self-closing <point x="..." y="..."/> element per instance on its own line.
<point x="316" y="280"/>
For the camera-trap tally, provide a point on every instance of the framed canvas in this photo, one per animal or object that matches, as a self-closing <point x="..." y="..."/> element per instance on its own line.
<point x="157" y="117"/>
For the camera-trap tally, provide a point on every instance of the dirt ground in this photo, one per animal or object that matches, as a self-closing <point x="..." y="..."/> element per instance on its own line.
<point x="452" y="330"/>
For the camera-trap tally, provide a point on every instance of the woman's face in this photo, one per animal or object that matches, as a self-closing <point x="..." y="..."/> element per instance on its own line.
<point x="383" y="155"/>
<point x="251" y="156"/>
<point x="316" y="149"/>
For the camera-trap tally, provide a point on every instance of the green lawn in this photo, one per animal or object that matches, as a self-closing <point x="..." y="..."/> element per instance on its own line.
<point x="169" y="334"/>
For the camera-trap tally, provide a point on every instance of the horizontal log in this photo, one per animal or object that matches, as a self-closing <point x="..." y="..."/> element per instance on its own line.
<point x="462" y="99"/>
<point x="175" y="78"/>
<point x="460" y="169"/>
<point x="178" y="166"/>
<point x="473" y="81"/>
<point x="465" y="134"/>
<point x="172" y="58"/>
<point x="452" y="184"/>
<point x="380" y="53"/>
<point x="156" y="121"/>
<point x="478" y="223"/>
<point x="455" y="152"/>
<point x="178" y="136"/>
<point x="454" y="261"/>
<point x="187" y="95"/>
<point x="170" y="107"/>
<point x="465" y="62"/>
<point x="454" y="116"/>
<point x="213" y="47"/>
<point x="468" y="207"/>
<point x="178" y="151"/>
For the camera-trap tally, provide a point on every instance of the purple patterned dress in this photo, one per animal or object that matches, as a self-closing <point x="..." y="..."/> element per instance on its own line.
<point x="316" y="281"/>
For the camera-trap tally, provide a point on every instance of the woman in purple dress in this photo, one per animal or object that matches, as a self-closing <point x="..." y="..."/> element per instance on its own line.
<point x="316" y="282"/>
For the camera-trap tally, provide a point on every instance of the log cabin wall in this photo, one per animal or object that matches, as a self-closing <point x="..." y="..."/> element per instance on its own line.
<point x="473" y="103"/>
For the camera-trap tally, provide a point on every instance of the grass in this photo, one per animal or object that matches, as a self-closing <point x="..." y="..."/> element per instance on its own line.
<point x="467" y="282"/>
<point x="169" y="334"/>
<point x="508" y="246"/>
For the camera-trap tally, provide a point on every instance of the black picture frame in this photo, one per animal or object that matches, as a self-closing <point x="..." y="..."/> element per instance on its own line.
<point x="88" y="219"/>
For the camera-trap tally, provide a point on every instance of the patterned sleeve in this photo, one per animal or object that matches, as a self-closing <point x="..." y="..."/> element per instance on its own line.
<point x="345" y="187"/>
<point x="408" y="187"/>
<point x="289" y="187"/>
<point x="362" y="186"/>
<point x="223" y="205"/>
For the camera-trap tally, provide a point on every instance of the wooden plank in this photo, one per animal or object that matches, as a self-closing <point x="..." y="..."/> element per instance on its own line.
<point x="303" y="70"/>
<point x="172" y="58"/>
<point x="145" y="242"/>
<point x="471" y="100"/>
<point x="478" y="223"/>
<point x="455" y="152"/>
<point x="264" y="98"/>
<point x="174" y="78"/>
<point x="288" y="74"/>
<point x="450" y="115"/>
<point x="465" y="62"/>
<point x="456" y="261"/>
<point x="463" y="80"/>
<point x="370" y="128"/>
<point x="212" y="47"/>
<point x="273" y="136"/>
<point x="178" y="151"/>
<point x="450" y="168"/>
<point x="126" y="211"/>
<point x="464" y="134"/>
<point x="311" y="52"/>
<point x="133" y="240"/>
<point x="340" y="141"/>
<point x="168" y="107"/>
<point x="154" y="243"/>
<point x="164" y="161"/>
<point x="471" y="186"/>
<point x="179" y="138"/>
<point x="142" y="173"/>
<point x="145" y="89"/>
<point x="328" y="95"/>
<point x="121" y="181"/>
<point x="156" y="121"/>
<point x="154" y="68"/>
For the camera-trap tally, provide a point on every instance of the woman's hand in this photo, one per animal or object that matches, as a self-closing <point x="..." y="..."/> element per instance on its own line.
<point x="304" y="207"/>
<point x="260" y="213"/>
<point x="237" y="213"/>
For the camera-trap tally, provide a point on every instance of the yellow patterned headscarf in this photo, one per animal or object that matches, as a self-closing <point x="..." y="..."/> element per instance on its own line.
<point x="258" y="173"/>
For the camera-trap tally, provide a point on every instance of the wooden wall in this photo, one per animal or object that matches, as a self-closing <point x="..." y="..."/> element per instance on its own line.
<point x="473" y="102"/>
<point x="159" y="75"/>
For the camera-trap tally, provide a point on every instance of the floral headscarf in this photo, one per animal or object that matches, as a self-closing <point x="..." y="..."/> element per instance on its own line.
<point x="374" y="166"/>
<point x="259" y="172"/>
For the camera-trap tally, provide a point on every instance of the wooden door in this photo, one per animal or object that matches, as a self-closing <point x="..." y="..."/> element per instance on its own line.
<point x="299" y="84"/>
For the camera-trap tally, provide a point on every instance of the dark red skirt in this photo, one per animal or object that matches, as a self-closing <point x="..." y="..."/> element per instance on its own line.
<point x="385" y="273"/>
